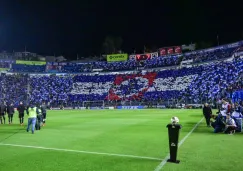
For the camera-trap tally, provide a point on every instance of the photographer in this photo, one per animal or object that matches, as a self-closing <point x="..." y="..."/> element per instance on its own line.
<point x="230" y="126"/>
<point x="218" y="124"/>
<point x="207" y="112"/>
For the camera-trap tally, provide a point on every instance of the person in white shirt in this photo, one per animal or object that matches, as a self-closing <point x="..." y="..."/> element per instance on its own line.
<point x="230" y="125"/>
<point x="237" y="111"/>
<point x="225" y="109"/>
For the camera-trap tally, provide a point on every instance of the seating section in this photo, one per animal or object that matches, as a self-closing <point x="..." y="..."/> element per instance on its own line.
<point x="187" y="85"/>
<point x="115" y="66"/>
<point x="52" y="89"/>
<point x="213" y="82"/>
<point x="123" y="66"/>
<point x="14" y="88"/>
<point x="90" y="88"/>
<point x="192" y="84"/>
<point x="77" y="68"/>
<point x="28" y="68"/>
<point x="196" y="84"/>
<point x="163" y="62"/>
<point x="199" y="56"/>
<point x="209" y="56"/>
<point x="5" y="64"/>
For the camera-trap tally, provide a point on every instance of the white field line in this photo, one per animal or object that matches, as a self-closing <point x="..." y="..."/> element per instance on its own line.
<point x="161" y="165"/>
<point x="79" y="151"/>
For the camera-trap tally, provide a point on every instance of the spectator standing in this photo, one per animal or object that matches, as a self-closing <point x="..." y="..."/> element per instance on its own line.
<point x="225" y="110"/>
<point x="10" y="111"/>
<point x="3" y="110"/>
<point x="207" y="112"/>
<point x="21" y="108"/>
<point x="43" y="111"/>
<point x="39" y="118"/>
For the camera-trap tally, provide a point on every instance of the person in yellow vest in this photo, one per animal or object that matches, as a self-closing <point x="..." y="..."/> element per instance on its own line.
<point x="32" y="114"/>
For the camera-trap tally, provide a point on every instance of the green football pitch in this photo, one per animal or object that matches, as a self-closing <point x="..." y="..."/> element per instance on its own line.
<point x="117" y="140"/>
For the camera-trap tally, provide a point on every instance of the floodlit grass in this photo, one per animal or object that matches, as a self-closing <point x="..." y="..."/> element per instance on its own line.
<point x="123" y="132"/>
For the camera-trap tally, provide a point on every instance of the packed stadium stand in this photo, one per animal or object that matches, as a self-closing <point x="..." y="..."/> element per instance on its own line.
<point x="28" y="68"/>
<point x="205" y="79"/>
<point x="202" y="56"/>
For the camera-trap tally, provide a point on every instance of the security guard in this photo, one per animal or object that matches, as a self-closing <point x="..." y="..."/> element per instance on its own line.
<point x="32" y="114"/>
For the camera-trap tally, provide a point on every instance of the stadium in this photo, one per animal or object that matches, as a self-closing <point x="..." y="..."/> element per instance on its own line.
<point x="112" y="115"/>
<point x="121" y="85"/>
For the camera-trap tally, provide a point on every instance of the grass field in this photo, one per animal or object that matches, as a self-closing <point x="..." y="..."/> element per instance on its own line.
<point x="116" y="140"/>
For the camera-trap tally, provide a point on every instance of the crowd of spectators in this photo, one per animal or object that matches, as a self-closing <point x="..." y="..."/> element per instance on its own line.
<point x="194" y="84"/>
<point x="214" y="82"/>
<point x="197" y="57"/>
<point x="187" y="85"/>
<point x="118" y="66"/>
<point x="50" y="89"/>
<point x="5" y="64"/>
<point x="205" y="83"/>
<point x="77" y="68"/>
<point x="115" y="66"/>
<point x="201" y="56"/>
<point x="28" y="68"/>
<point x="14" y="88"/>
<point x="165" y="61"/>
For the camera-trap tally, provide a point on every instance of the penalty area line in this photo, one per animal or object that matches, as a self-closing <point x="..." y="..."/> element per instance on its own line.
<point x="161" y="165"/>
<point x="80" y="151"/>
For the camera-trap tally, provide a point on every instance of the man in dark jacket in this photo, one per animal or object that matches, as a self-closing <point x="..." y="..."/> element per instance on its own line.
<point x="39" y="119"/>
<point x="207" y="112"/>
<point x="3" y="110"/>
<point x="218" y="124"/>
<point x="43" y="111"/>
<point x="21" y="108"/>
<point x="10" y="111"/>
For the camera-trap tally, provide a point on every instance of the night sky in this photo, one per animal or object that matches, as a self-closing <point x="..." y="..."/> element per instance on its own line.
<point x="80" y="26"/>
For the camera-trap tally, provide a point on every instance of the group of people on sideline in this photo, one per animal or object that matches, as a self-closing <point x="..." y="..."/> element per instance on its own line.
<point x="228" y="118"/>
<point x="36" y="115"/>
